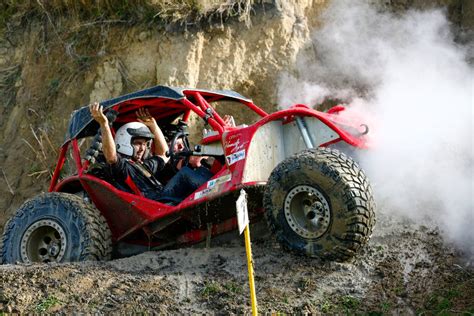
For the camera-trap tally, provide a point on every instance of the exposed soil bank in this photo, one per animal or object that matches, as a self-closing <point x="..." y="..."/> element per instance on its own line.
<point x="405" y="270"/>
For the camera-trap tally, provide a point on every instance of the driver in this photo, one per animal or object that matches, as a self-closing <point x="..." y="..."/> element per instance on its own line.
<point x="193" y="170"/>
<point x="131" y="166"/>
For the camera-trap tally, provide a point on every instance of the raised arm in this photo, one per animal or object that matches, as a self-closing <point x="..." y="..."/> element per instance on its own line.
<point x="161" y="147"/>
<point x="108" y="144"/>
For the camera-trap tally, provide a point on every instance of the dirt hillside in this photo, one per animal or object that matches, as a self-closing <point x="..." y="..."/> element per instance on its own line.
<point x="405" y="270"/>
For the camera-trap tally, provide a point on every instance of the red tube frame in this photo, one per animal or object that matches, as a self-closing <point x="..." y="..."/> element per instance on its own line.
<point x="217" y="123"/>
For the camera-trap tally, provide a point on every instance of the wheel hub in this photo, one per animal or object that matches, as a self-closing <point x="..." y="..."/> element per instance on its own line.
<point x="307" y="211"/>
<point x="44" y="241"/>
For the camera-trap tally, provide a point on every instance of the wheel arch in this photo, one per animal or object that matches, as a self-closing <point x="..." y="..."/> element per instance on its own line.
<point x="72" y="185"/>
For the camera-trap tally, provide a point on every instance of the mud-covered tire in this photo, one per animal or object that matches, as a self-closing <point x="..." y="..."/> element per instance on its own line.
<point x="320" y="203"/>
<point x="56" y="227"/>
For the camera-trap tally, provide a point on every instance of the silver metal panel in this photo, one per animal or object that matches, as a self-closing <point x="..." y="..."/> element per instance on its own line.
<point x="274" y="142"/>
<point x="319" y="132"/>
<point x="266" y="150"/>
<point x="293" y="141"/>
<point x="214" y="148"/>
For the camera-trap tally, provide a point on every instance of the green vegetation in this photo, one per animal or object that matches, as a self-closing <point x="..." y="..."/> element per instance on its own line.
<point x="349" y="303"/>
<point x="441" y="302"/>
<point x="233" y="287"/>
<point x="327" y="307"/>
<point x="210" y="289"/>
<point x="455" y="300"/>
<point x="47" y="303"/>
<point x="54" y="85"/>
<point x="344" y="304"/>
<point x="385" y="306"/>
<point x="125" y="11"/>
<point x="400" y="288"/>
<point x="228" y="289"/>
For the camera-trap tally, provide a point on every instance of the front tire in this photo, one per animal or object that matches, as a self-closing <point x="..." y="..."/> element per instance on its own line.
<point x="320" y="203"/>
<point x="56" y="227"/>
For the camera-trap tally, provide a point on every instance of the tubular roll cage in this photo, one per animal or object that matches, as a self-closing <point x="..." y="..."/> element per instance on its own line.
<point x="203" y="109"/>
<point x="181" y="104"/>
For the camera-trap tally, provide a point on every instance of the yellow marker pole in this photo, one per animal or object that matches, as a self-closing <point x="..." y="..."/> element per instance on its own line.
<point x="243" y="223"/>
<point x="248" y="249"/>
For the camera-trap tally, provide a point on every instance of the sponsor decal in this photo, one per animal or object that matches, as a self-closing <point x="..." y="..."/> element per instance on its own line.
<point x="214" y="182"/>
<point x="233" y="158"/>
<point x="212" y="186"/>
<point x="236" y="146"/>
<point x="202" y="193"/>
<point x="231" y="137"/>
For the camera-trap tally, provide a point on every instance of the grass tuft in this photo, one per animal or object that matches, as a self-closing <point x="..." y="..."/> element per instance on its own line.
<point x="8" y="78"/>
<point x="47" y="303"/>
<point x="44" y="154"/>
<point x="210" y="289"/>
<point x="123" y="11"/>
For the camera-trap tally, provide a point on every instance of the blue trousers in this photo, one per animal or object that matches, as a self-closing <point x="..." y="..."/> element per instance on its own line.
<point x="185" y="182"/>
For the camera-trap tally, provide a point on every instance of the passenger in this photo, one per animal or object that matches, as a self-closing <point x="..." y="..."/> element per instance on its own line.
<point x="128" y="157"/>
<point x="200" y="164"/>
<point x="194" y="167"/>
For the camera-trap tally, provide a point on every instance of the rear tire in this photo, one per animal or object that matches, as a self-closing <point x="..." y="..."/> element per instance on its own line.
<point x="56" y="227"/>
<point x="320" y="203"/>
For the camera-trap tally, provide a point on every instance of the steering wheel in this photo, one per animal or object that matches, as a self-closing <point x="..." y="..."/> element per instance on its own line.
<point x="174" y="155"/>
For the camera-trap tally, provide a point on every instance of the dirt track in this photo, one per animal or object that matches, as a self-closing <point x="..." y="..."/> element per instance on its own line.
<point x="406" y="270"/>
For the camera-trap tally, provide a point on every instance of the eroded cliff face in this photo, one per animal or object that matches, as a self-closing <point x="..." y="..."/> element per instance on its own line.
<point x="50" y="67"/>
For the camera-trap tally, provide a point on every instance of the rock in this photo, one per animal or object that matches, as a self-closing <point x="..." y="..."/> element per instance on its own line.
<point x="109" y="81"/>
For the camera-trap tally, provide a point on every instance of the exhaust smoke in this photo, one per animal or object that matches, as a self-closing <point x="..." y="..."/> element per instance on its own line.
<point x="414" y="84"/>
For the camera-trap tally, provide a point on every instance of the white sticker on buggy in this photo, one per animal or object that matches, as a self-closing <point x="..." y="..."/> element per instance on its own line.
<point x="233" y="158"/>
<point x="212" y="186"/>
<point x="214" y="182"/>
<point x="202" y="193"/>
<point x="236" y="146"/>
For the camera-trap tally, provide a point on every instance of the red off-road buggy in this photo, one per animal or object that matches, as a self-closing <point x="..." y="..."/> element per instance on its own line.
<point x="316" y="200"/>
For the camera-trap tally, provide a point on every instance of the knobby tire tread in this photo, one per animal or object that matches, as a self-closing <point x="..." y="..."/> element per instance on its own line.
<point x="360" y="215"/>
<point x="97" y="245"/>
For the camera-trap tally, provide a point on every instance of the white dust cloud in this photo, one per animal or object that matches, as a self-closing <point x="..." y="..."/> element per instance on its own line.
<point x="413" y="81"/>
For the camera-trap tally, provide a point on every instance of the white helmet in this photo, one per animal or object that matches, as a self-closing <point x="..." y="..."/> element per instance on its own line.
<point x="126" y="133"/>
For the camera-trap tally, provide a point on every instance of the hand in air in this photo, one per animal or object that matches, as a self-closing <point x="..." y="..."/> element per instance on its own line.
<point x="97" y="113"/>
<point x="145" y="117"/>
